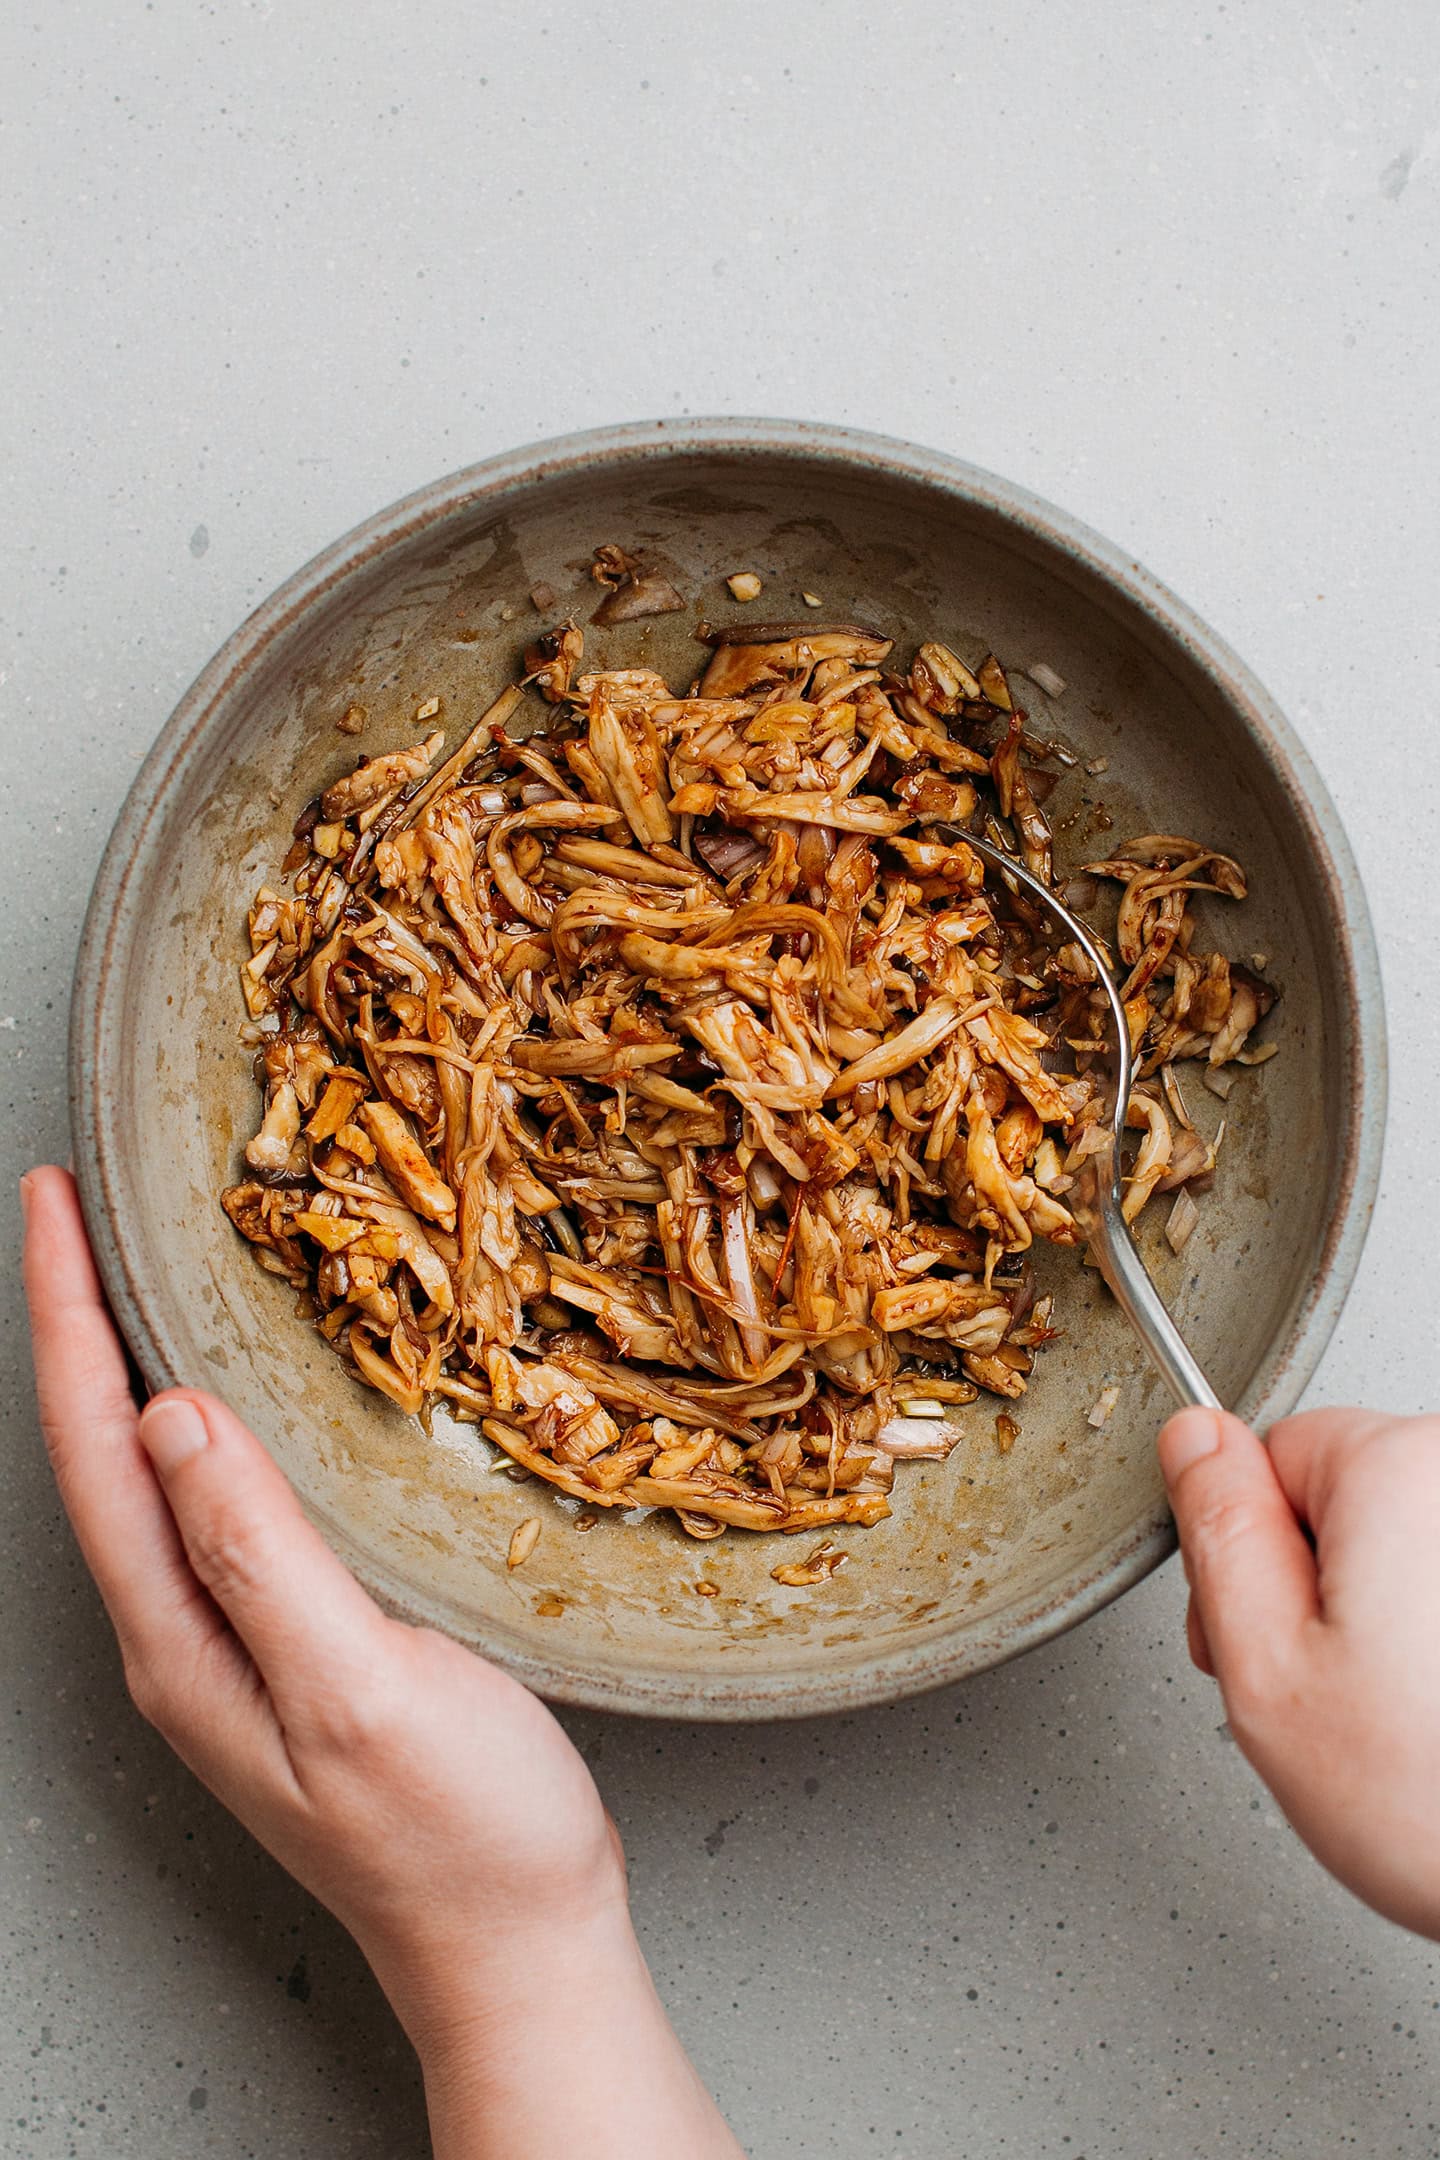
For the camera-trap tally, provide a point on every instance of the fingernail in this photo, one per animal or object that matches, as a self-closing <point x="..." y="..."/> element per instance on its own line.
<point x="25" y="1199"/>
<point x="171" y="1432"/>
<point x="1185" y="1439"/>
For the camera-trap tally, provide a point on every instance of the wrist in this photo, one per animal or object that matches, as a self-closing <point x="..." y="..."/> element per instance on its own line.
<point x="579" y="2057"/>
<point x="489" y="1992"/>
<point x="563" y="2046"/>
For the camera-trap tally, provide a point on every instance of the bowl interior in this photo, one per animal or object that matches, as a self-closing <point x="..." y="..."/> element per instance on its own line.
<point x="982" y="1554"/>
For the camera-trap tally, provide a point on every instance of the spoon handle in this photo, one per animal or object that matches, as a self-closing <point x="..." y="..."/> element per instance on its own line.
<point x="1145" y="1309"/>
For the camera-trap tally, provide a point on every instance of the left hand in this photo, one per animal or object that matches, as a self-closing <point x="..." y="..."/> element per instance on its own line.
<point x="428" y="1799"/>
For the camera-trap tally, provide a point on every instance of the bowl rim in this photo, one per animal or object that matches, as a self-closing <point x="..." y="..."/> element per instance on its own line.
<point x="97" y="1003"/>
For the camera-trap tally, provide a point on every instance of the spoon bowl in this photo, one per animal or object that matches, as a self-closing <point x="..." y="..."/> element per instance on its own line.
<point x="1097" y="1197"/>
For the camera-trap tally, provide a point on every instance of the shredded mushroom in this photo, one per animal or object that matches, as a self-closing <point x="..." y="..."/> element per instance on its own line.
<point x="669" y="1092"/>
<point x="804" y="1574"/>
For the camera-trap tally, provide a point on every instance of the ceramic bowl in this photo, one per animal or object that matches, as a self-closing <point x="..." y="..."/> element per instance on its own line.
<point x="984" y="1555"/>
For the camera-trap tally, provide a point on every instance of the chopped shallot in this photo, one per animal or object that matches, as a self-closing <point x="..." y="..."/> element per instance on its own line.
<point x="523" y="1542"/>
<point x="1180" y="1222"/>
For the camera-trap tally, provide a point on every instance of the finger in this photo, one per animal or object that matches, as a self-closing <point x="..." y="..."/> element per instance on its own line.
<point x="1200" y="1656"/>
<point x="1369" y="1488"/>
<point x="186" y="1670"/>
<point x="119" y="1515"/>
<point x="1252" y="1574"/>
<point x="303" y="1617"/>
<point x="1312" y="1452"/>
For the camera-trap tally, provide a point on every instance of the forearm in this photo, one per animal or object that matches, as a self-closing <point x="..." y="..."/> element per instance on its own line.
<point x="572" y="2054"/>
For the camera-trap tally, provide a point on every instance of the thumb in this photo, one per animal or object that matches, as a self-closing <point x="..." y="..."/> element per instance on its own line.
<point x="1251" y="1570"/>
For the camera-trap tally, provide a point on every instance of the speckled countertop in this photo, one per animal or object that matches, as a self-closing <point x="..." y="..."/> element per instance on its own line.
<point x="1175" y="266"/>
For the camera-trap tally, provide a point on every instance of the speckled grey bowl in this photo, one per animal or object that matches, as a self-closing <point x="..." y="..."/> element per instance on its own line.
<point x="983" y="1556"/>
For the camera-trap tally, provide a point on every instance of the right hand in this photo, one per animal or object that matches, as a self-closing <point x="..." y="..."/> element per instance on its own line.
<point x="1315" y="1602"/>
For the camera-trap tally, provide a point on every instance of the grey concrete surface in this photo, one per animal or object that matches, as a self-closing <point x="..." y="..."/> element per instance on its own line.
<point x="267" y="266"/>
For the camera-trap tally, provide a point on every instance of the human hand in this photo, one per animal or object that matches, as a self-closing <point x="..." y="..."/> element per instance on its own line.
<point x="429" y="1800"/>
<point x="1315" y="1602"/>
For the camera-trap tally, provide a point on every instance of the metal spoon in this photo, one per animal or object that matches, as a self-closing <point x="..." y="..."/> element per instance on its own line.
<point x="1095" y="1199"/>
